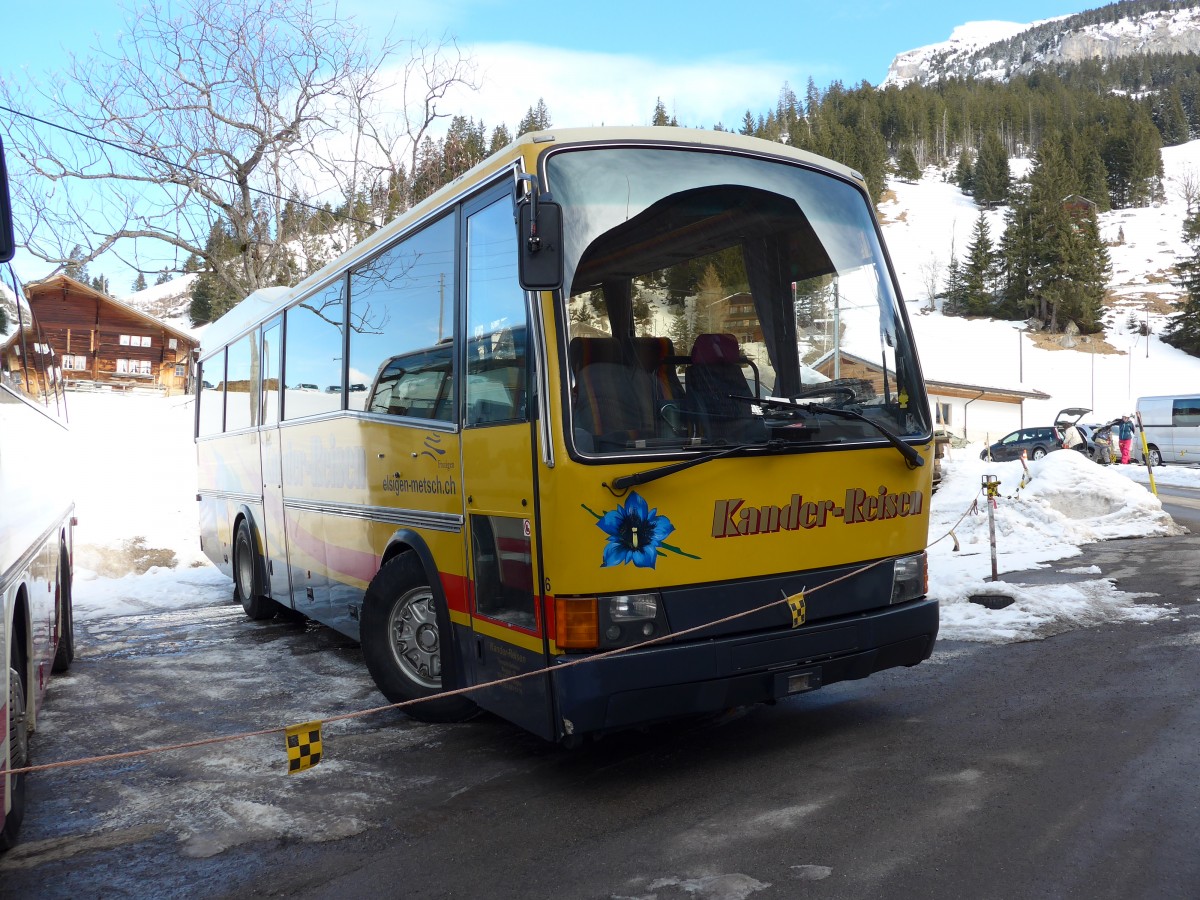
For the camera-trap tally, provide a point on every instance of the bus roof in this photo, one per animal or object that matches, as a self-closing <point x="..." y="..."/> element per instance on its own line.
<point x="265" y="302"/>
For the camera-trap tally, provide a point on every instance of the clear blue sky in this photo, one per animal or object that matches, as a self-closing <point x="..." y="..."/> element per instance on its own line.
<point x="846" y="41"/>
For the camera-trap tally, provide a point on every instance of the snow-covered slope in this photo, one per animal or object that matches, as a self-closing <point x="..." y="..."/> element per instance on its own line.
<point x="928" y="220"/>
<point x="166" y="302"/>
<point x="1002" y="49"/>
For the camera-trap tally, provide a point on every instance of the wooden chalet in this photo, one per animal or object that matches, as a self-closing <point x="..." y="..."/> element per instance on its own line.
<point x="102" y="342"/>
<point x="971" y="411"/>
<point x="738" y="316"/>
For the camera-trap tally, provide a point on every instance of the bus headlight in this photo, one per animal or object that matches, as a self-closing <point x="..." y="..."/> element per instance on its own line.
<point x="910" y="578"/>
<point x="632" y="607"/>
<point x="602" y="623"/>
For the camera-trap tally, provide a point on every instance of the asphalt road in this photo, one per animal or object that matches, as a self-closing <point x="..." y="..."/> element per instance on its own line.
<point x="1057" y="768"/>
<point x="1183" y="504"/>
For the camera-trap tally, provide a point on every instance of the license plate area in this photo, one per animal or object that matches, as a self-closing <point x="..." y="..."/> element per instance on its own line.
<point x="797" y="681"/>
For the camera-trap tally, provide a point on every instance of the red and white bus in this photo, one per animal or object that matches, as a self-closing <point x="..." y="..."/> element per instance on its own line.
<point x="36" y="519"/>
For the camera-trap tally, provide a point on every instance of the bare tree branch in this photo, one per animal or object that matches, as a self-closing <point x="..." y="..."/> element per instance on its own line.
<point x="274" y="100"/>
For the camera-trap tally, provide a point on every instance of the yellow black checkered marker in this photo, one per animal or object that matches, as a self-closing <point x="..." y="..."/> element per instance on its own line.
<point x="303" y="746"/>
<point x="796" y="605"/>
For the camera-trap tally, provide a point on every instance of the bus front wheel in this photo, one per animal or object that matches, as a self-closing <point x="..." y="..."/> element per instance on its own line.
<point x="402" y="641"/>
<point x="245" y="576"/>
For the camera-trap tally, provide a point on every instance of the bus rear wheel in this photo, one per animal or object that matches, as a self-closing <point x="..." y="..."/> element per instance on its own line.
<point x="65" y="654"/>
<point x="245" y="576"/>
<point x="403" y="637"/>
<point x="18" y="748"/>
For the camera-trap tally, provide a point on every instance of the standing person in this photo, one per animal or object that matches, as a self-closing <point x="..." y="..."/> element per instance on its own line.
<point x="1125" y="438"/>
<point x="1072" y="439"/>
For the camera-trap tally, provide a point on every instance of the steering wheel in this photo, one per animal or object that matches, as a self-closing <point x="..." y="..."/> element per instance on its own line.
<point x="820" y="390"/>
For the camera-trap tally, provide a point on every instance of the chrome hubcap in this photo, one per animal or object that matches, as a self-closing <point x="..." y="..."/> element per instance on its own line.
<point x="414" y="638"/>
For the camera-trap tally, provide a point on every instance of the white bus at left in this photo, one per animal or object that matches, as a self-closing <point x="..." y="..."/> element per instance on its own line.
<point x="36" y="521"/>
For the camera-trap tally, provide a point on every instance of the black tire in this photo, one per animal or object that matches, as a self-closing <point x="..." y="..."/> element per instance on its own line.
<point x="402" y="634"/>
<point x="1155" y="456"/>
<point x="65" y="654"/>
<point x="1037" y="453"/>
<point x="245" y="576"/>
<point x="18" y="731"/>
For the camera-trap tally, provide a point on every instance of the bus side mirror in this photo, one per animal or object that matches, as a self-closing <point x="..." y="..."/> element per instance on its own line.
<point x="539" y="231"/>
<point x="8" y="244"/>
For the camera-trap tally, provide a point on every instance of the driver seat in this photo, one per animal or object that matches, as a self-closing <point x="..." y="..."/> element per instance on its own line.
<point x="714" y="375"/>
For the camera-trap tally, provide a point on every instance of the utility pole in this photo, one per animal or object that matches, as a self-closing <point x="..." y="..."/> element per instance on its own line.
<point x="441" y="302"/>
<point x="837" y="333"/>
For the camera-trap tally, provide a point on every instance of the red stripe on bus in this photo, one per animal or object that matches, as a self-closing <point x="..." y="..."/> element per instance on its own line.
<point x="457" y="591"/>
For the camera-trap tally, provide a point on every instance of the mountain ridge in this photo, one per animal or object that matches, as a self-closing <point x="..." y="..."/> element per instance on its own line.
<point x="1001" y="50"/>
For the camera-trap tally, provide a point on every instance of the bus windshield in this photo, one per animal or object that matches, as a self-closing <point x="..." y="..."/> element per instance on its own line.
<point x="718" y="300"/>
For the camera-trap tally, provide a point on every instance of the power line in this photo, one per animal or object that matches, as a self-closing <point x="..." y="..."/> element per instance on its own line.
<point x="167" y="162"/>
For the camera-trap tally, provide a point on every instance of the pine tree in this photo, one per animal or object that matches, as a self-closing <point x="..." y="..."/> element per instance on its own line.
<point x="660" y="115"/>
<point x="500" y="139"/>
<point x="1183" y="331"/>
<point x="1093" y="177"/>
<point x="789" y="114"/>
<point x="74" y="267"/>
<point x="139" y="283"/>
<point x="979" y="272"/>
<point x="211" y="297"/>
<point x="163" y="277"/>
<point x="1017" y="255"/>
<point x="953" y="297"/>
<point x="991" y="176"/>
<point x="963" y="174"/>
<point x="906" y="166"/>
<point x="1068" y="266"/>
<point x="100" y="283"/>
<point x="536" y="118"/>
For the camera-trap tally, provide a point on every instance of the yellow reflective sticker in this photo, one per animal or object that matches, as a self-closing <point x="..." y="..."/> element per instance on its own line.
<point x="303" y="746"/>
<point x="796" y="604"/>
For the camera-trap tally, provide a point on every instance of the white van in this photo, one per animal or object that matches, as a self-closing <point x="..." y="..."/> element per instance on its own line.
<point x="1172" y="426"/>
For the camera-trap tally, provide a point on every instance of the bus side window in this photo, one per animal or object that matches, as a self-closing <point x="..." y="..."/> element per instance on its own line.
<point x="211" y="396"/>
<point x="503" y="565"/>
<point x="496" y="358"/>
<point x="416" y="385"/>
<point x="313" y="353"/>
<point x="241" y="391"/>
<point x="402" y="303"/>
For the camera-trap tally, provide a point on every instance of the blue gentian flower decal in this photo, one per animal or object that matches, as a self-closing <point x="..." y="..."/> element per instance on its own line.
<point x="635" y="534"/>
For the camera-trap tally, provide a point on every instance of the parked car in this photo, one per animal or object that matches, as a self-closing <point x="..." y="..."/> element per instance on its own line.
<point x="310" y="388"/>
<point x="334" y="389"/>
<point x="1038" y="441"/>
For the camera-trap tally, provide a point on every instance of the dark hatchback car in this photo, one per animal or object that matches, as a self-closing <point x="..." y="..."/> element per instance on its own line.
<point x="1036" y="442"/>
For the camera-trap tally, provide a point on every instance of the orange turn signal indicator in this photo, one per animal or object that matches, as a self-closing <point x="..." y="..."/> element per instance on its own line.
<point x="576" y="623"/>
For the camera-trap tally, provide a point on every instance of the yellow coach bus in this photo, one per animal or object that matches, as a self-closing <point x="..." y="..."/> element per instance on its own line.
<point x="645" y="390"/>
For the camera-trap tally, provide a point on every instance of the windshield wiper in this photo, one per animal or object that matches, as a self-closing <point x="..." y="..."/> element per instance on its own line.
<point x="621" y="482"/>
<point x="910" y="454"/>
<point x="908" y="451"/>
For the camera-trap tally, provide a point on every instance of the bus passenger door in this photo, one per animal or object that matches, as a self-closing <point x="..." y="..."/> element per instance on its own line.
<point x="272" y="464"/>
<point x="508" y="635"/>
